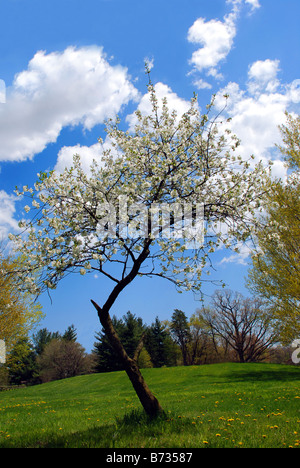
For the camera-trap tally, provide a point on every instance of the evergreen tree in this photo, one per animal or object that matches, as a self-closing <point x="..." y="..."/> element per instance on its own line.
<point x="133" y="330"/>
<point x="130" y="329"/>
<point x="107" y="360"/>
<point x="70" y="334"/>
<point x="181" y="332"/>
<point x="160" y="345"/>
<point x="22" y="366"/>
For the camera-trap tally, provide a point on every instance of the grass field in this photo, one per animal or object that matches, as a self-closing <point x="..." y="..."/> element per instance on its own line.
<point x="221" y="405"/>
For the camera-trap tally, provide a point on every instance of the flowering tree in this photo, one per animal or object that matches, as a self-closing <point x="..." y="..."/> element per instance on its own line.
<point x="167" y="162"/>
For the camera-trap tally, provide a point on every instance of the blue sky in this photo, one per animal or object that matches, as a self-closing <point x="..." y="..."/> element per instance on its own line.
<point x="67" y="65"/>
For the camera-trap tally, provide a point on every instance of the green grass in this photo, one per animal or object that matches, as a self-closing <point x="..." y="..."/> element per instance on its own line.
<point x="221" y="405"/>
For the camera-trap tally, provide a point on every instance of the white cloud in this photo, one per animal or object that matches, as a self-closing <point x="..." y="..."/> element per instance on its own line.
<point x="258" y="110"/>
<point x="216" y="38"/>
<point x="87" y="155"/>
<point x="264" y="70"/>
<point x="76" y="86"/>
<point x="238" y="3"/>
<point x="263" y="75"/>
<point x="7" y="212"/>
<point x="202" y="84"/>
<point x="254" y="4"/>
<point x="240" y="258"/>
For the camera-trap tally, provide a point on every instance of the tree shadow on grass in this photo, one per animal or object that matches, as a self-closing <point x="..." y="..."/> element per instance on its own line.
<point x="96" y="437"/>
<point x="266" y="375"/>
<point x="259" y="373"/>
<point x="134" y="430"/>
<point x="93" y="437"/>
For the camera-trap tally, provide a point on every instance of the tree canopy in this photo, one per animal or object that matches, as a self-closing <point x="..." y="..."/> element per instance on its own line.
<point x="18" y="311"/>
<point x="276" y="263"/>
<point x="243" y="323"/>
<point x="166" y="161"/>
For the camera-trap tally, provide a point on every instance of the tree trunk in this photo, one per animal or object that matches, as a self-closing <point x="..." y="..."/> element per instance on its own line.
<point x="149" y="402"/>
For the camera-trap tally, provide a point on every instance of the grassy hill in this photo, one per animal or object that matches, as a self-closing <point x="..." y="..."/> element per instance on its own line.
<point x="221" y="405"/>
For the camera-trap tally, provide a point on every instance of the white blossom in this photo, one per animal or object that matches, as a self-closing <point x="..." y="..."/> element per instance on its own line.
<point x="165" y="159"/>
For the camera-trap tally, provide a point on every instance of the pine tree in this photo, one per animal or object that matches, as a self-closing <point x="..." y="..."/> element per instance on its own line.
<point x="160" y="345"/>
<point x="181" y="333"/>
<point x="70" y="334"/>
<point x="130" y="329"/>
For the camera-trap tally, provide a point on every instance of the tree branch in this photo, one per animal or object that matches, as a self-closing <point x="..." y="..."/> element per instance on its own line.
<point x="139" y="347"/>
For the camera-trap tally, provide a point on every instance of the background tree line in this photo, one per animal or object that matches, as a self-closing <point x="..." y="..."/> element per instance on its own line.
<point x="232" y="328"/>
<point x="47" y="356"/>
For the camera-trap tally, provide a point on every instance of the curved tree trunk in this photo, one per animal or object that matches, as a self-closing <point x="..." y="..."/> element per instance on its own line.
<point x="148" y="400"/>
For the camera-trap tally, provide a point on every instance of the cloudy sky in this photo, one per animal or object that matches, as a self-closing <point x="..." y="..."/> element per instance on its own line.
<point x="66" y="66"/>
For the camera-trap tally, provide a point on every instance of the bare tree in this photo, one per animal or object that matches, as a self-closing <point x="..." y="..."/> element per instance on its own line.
<point x="62" y="359"/>
<point x="243" y="323"/>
